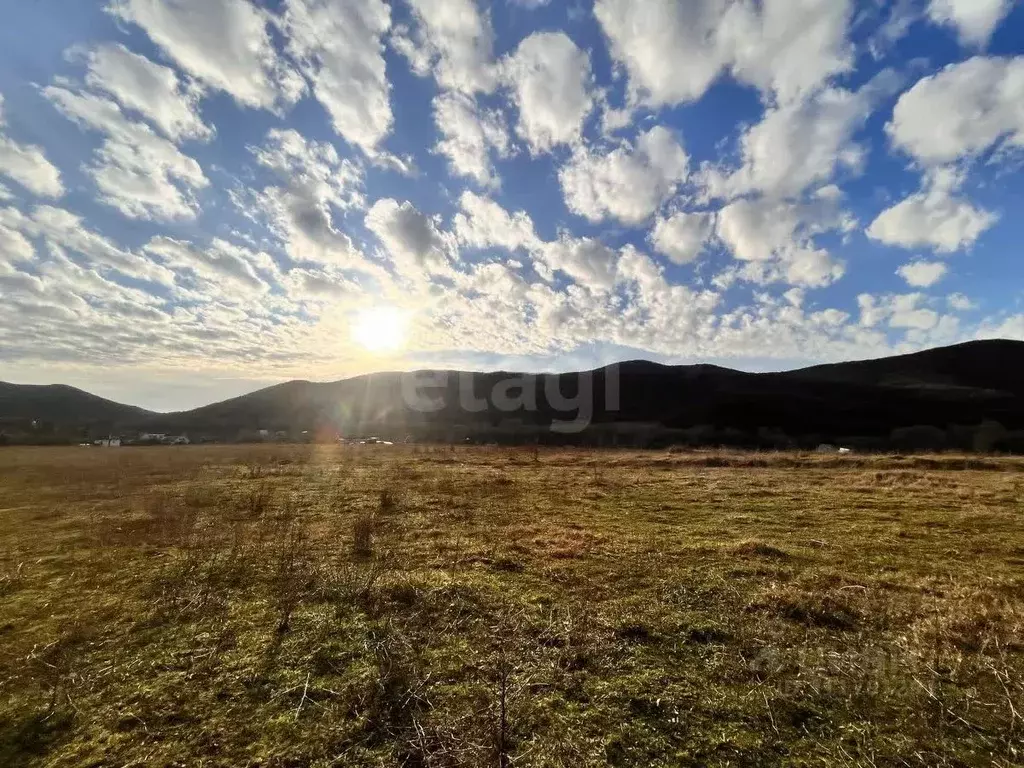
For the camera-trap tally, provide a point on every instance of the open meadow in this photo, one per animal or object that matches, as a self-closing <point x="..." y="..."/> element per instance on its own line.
<point x="429" y="606"/>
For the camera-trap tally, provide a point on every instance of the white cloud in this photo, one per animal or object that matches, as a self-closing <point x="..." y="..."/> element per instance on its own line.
<point x="152" y="90"/>
<point x="312" y="165"/>
<point x="14" y="247"/>
<point x="683" y="236"/>
<point x="454" y="42"/>
<point x="974" y="20"/>
<point x="813" y="267"/>
<point x="61" y="229"/>
<point x="224" y="43"/>
<point x="933" y="217"/>
<point x="922" y="274"/>
<point x="340" y="43"/>
<point x="139" y="173"/>
<point x="902" y="15"/>
<point x="777" y="240"/>
<point x="961" y="111"/>
<point x="221" y="268"/>
<point x="669" y="48"/>
<point x="674" y="51"/>
<point x="482" y="223"/>
<point x="960" y="302"/>
<point x="901" y="311"/>
<point x="550" y="78"/>
<point x="313" y="182"/>
<point x="801" y="144"/>
<point x="628" y="183"/>
<point x="469" y="134"/>
<point x="27" y="165"/>
<point x="412" y="238"/>
<point x="788" y="47"/>
<point x="1011" y="327"/>
<point x="589" y="262"/>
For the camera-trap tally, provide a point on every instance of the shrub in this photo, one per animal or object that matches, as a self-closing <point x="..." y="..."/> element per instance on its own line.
<point x="362" y="535"/>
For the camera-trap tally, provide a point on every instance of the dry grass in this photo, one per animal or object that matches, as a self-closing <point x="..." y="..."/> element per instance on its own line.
<point x="285" y="606"/>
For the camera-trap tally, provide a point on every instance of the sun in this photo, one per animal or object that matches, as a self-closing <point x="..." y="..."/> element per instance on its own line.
<point x="380" y="329"/>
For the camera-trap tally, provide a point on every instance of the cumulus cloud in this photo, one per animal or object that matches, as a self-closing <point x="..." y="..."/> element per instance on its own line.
<point x="933" y="217"/>
<point x="452" y="40"/>
<point x="62" y="230"/>
<point x="14" y="247"/>
<point x="224" y="43"/>
<point x="903" y="311"/>
<point x="312" y="183"/>
<point x="674" y="51"/>
<point x="589" y="262"/>
<point x="961" y="111"/>
<point x="960" y="302"/>
<point x="798" y="145"/>
<point x="411" y="238"/>
<point x="670" y="49"/>
<point x="482" y="223"/>
<point x="974" y="20"/>
<point x="922" y="274"/>
<point x="152" y="90"/>
<point x="221" y="268"/>
<point x="683" y="236"/>
<point x="141" y="174"/>
<point x="27" y="165"/>
<point x="788" y="47"/>
<point x="340" y="44"/>
<point x="776" y="239"/>
<point x="310" y="164"/>
<point x="628" y="183"/>
<point x="469" y="135"/>
<point x="550" y="79"/>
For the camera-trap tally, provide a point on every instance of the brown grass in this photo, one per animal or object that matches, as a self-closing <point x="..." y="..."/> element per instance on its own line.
<point x="418" y="606"/>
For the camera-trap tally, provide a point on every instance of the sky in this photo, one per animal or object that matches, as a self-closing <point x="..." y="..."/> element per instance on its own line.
<point x="199" y="198"/>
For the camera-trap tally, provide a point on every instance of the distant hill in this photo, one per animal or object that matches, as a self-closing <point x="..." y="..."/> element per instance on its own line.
<point x="993" y="365"/>
<point x="57" y="410"/>
<point x="966" y="384"/>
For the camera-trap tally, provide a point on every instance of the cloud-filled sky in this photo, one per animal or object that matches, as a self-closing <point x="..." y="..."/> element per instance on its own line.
<point x="201" y="197"/>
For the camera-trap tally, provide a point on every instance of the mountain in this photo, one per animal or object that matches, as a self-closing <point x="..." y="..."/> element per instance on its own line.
<point x="966" y="384"/>
<point x="56" y="410"/>
<point x="993" y="365"/>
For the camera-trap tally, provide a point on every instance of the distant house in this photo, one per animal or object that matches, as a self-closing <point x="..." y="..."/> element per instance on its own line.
<point x="152" y="437"/>
<point x="175" y="440"/>
<point x="826" y="448"/>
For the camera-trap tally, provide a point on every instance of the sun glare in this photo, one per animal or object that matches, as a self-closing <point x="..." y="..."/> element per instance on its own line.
<point x="380" y="329"/>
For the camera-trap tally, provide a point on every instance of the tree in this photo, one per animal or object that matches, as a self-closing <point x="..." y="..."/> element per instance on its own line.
<point x="987" y="436"/>
<point x="919" y="438"/>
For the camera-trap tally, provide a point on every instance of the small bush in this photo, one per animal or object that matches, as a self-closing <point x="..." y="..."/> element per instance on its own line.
<point x="760" y="549"/>
<point x="362" y="536"/>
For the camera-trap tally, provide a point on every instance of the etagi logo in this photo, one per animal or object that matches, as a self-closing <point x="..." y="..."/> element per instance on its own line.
<point x="431" y="391"/>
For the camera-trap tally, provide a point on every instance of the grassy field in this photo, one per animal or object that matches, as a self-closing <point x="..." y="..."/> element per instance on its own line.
<point x="373" y="606"/>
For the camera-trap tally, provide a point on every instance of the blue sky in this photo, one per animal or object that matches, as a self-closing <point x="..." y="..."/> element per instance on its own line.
<point x="202" y="197"/>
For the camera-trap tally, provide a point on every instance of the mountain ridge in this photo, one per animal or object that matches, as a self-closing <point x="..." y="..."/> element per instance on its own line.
<point x="966" y="383"/>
